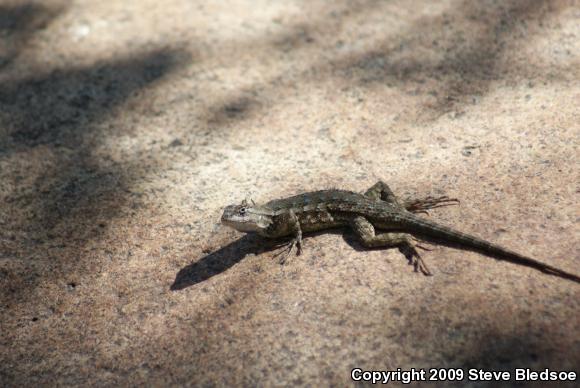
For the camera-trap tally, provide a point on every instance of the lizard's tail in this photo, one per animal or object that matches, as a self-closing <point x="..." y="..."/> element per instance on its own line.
<point x="444" y="235"/>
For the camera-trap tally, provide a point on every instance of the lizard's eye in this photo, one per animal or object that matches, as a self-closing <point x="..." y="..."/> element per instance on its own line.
<point x="242" y="210"/>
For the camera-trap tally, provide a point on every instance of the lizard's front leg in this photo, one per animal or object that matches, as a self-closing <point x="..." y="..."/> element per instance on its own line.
<point x="366" y="232"/>
<point x="297" y="240"/>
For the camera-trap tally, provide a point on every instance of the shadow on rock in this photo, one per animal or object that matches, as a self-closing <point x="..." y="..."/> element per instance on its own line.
<point x="59" y="107"/>
<point x="222" y="259"/>
<point x="61" y="110"/>
<point x="58" y="121"/>
<point x="467" y="64"/>
<point x="18" y="23"/>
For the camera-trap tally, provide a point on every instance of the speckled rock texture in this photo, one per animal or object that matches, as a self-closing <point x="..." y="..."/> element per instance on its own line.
<point x="126" y="126"/>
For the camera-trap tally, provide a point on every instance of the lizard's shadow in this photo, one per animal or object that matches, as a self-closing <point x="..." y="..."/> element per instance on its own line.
<point x="224" y="258"/>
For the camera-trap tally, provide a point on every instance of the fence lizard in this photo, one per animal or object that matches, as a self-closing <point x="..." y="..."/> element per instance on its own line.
<point x="378" y="208"/>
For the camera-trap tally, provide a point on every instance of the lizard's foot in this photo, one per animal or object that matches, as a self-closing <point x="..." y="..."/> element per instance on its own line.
<point x="284" y="253"/>
<point x="419" y="244"/>
<point x="287" y="250"/>
<point x="415" y="258"/>
<point x="423" y="247"/>
<point x="366" y="233"/>
<point x="424" y="204"/>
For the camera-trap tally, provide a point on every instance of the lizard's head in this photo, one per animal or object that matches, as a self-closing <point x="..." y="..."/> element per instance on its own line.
<point x="246" y="217"/>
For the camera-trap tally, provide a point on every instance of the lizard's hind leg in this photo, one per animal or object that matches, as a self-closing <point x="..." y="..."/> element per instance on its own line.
<point x="382" y="191"/>
<point x="366" y="233"/>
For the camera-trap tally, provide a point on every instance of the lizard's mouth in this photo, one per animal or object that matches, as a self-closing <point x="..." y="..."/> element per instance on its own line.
<point x="240" y="226"/>
<point x="228" y="222"/>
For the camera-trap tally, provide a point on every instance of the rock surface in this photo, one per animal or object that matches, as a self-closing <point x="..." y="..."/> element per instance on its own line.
<point x="125" y="127"/>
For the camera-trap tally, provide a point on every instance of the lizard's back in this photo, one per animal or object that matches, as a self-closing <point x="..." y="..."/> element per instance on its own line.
<point x="328" y="200"/>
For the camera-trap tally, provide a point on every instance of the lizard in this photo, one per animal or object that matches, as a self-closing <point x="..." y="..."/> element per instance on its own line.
<point x="377" y="217"/>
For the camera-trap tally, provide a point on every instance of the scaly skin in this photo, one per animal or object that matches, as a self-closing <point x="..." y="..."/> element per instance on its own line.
<point x="377" y="208"/>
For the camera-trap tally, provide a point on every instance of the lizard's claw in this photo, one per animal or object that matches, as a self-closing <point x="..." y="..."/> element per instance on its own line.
<point x="422" y="205"/>
<point x="423" y="247"/>
<point x="417" y="261"/>
<point x="420" y="246"/>
<point x="287" y="250"/>
<point x="420" y="263"/>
